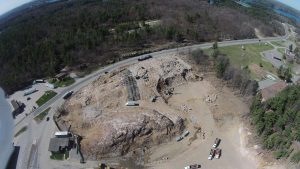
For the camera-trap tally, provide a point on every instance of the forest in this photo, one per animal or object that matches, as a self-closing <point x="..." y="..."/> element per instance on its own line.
<point x="277" y="122"/>
<point x="39" y="43"/>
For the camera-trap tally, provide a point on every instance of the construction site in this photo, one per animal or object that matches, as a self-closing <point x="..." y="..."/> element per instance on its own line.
<point x="160" y="113"/>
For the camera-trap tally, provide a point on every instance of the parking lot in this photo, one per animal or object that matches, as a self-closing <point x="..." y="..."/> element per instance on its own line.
<point x="270" y="57"/>
<point x="29" y="100"/>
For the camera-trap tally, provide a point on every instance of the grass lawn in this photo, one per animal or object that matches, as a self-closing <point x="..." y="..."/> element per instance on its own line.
<point x="242" y="58"/>
<point x="66" y="82"/>
<point x="279" y="43"/>
<point x="42" y="115"/>
<point x="23" y="129"/>
<point x="47" y="96"/>
<point x="281" y="50"/>
<point x="59" y="156"/>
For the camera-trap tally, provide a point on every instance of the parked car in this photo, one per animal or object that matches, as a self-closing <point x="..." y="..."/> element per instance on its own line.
<point x="142" y="58"/>
<point x="28" y="98"/>
<point x="217" y="142"/>
<point x="48" y="118"/>
<point x="186" y="133"/>
<point x="179" y="138"/>
<point x="218" y="153"/>
<point x="194" y="166"/>
<point x="211" y="154"/>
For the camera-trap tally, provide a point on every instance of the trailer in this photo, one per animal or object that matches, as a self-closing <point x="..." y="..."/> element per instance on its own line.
<point x="132" y="103"/>
<point x="30" y="91"/>
<point x="61" y="134"/>
<point x="38" y="81"/>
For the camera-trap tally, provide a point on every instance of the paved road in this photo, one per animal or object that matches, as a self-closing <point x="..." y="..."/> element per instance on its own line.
<point x="34" y="132"/>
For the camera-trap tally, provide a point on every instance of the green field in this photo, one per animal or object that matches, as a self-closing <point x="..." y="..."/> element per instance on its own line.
<point x="62" y="83"/>
<point x="250" y="55"/>
<point x="279" y="43"/>
<point x="23" y="129"/>
<point x="42" y="115"/>
<point x="47" y="96"/>
<point x="281" y="50"/>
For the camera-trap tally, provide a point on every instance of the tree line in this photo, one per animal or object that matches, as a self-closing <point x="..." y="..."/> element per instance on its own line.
<point x="40" y="42"/>
<point x="277" y="122"/>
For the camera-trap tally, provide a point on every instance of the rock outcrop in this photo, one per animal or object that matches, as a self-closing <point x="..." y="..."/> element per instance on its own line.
<point x="98" y="113"/>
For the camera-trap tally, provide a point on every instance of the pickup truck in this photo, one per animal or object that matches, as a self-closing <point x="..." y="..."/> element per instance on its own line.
<point x="195" y="166"/>
<point x="67" y="95"/>
<point x="211" y="154"/>
<point x="217" y="142"/>
<point x="218" y="153"/>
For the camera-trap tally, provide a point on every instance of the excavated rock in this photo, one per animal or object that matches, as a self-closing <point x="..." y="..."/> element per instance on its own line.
<point x="115" y="137"/>
<point x="98" y="113"/>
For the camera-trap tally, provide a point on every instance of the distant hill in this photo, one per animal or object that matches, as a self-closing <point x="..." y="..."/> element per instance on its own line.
<point x="278" y="7"/>
<point x="40" y="38"/>
<point x="23" y="9"/>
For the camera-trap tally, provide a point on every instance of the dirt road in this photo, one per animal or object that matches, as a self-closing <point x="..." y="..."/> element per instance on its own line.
<point x="225" y="108"/>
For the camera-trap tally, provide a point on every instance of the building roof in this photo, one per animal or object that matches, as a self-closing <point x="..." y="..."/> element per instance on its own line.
<point x="16" y="105"/>
<point x="272" y="90"/>
<point x="60" y="75"/>
<point x="56" y="144"/>
<point x="61" y="133"/>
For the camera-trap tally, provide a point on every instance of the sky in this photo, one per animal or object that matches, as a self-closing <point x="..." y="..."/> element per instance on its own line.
<point x="7" y="5"/>
<point x="293" y="3"/>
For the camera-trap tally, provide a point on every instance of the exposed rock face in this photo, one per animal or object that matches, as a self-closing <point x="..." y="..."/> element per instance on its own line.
<point x="98" y="113"/>
<point x="115" y="137"/>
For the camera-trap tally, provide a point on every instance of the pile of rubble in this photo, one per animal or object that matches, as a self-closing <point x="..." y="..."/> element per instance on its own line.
<point x="163" y="74"/>
<point x="211" y="99"/>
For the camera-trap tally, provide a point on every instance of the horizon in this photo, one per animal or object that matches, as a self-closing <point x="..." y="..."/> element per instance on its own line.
<point x="8" y="5"/>
<point x="291" y="3"/>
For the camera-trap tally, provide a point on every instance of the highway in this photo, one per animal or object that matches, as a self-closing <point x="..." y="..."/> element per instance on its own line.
<point x="29" y="155"/>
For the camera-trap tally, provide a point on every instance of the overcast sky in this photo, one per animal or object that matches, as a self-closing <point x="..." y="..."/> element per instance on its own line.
<point x="293" y="3"/>
<point x="7" y="5"/>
